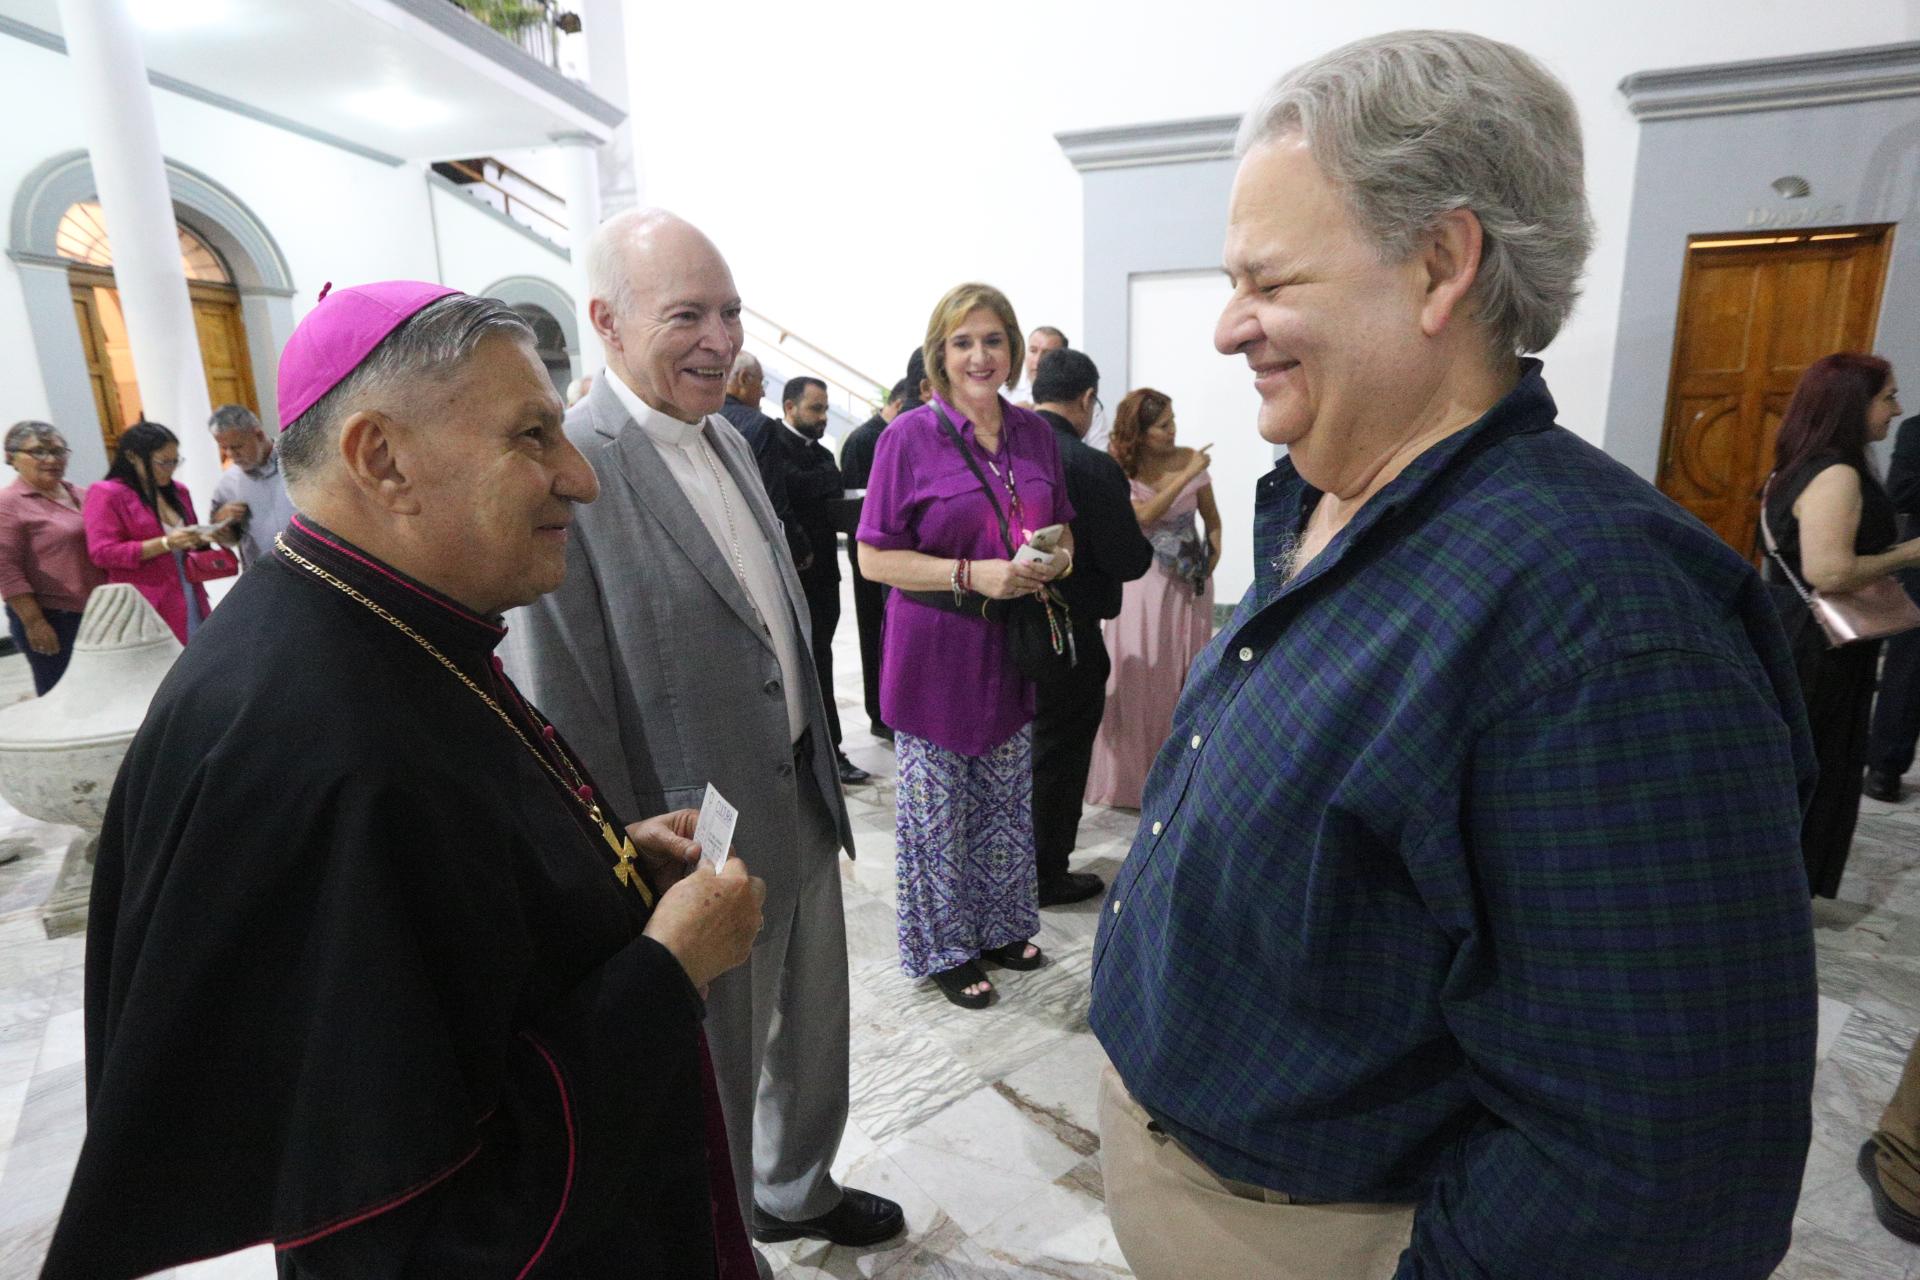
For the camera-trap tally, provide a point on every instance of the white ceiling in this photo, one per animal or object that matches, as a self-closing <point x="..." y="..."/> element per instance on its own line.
<point x="413" y="79"/>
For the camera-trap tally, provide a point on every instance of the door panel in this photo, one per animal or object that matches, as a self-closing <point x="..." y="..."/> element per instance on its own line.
<point x="223" y="347"/>
<point x="93" y="341"/>
<point x="1717" y="340"/>
<point x="1755" y="311"/>
<point x="221" y="333"/>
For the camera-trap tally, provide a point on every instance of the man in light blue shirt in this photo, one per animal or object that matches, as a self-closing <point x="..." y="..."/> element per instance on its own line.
<point x="251" y="491"/>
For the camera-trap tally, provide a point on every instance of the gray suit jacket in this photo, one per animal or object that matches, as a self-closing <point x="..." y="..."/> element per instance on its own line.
<point x="650" y="659"/>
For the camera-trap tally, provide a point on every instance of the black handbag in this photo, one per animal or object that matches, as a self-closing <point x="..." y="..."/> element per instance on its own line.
<point x="1039" y="627"/>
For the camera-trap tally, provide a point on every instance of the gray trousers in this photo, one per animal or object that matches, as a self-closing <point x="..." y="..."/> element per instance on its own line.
<point x="777" y="1029"/>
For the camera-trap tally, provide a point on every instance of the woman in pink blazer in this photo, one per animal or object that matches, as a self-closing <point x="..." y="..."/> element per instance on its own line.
<point x="139" y="526"/>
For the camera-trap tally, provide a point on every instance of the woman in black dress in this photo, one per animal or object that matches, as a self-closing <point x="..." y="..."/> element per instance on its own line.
<point x="1833" y="524"/>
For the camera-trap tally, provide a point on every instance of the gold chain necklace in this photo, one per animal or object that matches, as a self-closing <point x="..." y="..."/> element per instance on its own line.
<point x="627" y="871"/>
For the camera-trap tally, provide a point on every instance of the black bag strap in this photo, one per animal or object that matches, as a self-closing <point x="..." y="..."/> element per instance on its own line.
<point x="973" y="464"/>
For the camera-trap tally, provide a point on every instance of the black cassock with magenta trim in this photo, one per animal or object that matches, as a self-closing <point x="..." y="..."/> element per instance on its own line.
<point x="361" y="980"/>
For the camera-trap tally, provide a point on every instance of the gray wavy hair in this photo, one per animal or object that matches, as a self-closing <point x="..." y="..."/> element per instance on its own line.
<point x="27" y="434"/>
<point x="1412" y="125"/>
<point x="428" y="348"/>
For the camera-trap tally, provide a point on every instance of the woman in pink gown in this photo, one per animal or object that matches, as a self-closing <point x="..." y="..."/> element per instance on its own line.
<point x="1167" y="615"/>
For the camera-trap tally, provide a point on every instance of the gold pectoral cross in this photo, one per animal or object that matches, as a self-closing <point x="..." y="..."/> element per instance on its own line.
<point x="628" y="870"/>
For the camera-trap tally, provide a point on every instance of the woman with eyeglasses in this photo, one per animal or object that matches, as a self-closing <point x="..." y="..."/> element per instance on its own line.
<point x="45" y="572"/>
<point x="140" y="526"/>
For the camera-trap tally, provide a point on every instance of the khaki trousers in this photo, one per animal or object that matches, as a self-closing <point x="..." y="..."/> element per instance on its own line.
<point x="1898" y="1138"/>
<point x="1176" y="1219"/>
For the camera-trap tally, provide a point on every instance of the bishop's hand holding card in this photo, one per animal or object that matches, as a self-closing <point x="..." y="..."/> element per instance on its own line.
<point x="714" y="831"/>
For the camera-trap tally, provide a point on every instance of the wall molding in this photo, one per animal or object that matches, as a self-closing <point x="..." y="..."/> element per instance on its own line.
<point x="1775" y="84"/>
<point x="215" y="213"/>
<point x="48" y="40"/>
<point x="1163" y="142"/>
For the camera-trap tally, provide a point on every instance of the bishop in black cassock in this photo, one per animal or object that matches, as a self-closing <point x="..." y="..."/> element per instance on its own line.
<point x="366" y="975"/>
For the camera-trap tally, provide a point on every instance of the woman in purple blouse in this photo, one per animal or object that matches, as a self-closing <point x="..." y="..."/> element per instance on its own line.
<point x="961" y="712"/>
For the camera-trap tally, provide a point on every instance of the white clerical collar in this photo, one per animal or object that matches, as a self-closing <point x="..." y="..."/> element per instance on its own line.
<point x="662" y="428"/>
<point x="800" y="435"/>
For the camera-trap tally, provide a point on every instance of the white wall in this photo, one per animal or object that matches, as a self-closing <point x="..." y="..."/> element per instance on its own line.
<point x="1170" y="348"/>
<point x="475" y="250"/>
<point x="336" y="216"/>
<point x="932" y="130"/>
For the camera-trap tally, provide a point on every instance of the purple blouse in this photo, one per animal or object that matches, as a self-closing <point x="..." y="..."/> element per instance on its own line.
<point x="943" y="676"/>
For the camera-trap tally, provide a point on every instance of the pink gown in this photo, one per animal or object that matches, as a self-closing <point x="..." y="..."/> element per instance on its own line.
<point x="1162" y="627"/>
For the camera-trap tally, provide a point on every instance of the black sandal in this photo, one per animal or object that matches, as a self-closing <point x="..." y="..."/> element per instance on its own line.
<point x="953" y="984"/>
<point x="1014" y="955"/>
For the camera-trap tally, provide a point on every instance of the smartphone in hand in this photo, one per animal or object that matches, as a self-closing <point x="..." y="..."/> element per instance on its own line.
<point x="1040" y="546"/>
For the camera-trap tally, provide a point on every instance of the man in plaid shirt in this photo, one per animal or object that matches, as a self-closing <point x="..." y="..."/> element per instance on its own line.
<point x="1466" y="933"/>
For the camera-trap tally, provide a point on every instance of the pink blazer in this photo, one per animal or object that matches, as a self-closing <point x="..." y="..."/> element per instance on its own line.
<point x="117" y="523"/>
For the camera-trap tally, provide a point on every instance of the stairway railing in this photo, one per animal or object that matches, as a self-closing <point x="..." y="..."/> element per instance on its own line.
<point x="861" y="394"/>
<point x="513" y="193"/>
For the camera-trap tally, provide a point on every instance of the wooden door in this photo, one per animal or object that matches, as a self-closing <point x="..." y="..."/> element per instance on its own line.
<point x="218" y="327"/>
<point x="1755" y="311"/>
<point x="93" y="341"/>
<point x="223" y="346"/>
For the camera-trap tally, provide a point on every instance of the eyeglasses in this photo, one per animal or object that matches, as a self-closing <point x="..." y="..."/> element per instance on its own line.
<point x="46" y="454"/>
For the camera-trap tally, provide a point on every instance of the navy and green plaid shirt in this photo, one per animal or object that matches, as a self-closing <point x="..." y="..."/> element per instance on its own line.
<point x="1471" y="875"/>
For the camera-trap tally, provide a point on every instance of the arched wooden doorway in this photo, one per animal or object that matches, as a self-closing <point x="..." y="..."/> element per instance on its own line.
<point x="82" y="241"/>
<point x="550" y="343"/>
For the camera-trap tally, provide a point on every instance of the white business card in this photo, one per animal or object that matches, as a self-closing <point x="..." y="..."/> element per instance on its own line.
<point x="714" y="831"/>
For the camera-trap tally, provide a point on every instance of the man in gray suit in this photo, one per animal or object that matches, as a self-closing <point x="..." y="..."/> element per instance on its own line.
<point x="676" y="656"/>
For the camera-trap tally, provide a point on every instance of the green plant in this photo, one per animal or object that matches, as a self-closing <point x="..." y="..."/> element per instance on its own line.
<point x="508" y="17"/>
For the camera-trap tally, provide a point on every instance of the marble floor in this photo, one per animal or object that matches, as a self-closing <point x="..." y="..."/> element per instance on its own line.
<point x="981" y="1124"/>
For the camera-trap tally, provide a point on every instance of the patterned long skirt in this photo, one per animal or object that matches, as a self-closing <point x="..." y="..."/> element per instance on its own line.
<point x="963" y="850"/>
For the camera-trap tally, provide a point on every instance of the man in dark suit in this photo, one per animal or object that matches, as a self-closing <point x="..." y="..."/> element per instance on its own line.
<point x="1109" y="549"/>
<point x="869" y="597"/>
<point x="813" y="482"/>
<point x="1896" y="713"/>
<point x="746" y="387"/>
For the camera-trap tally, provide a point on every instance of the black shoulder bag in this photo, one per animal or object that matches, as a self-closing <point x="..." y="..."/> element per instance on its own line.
<point x="1039" y="627"/>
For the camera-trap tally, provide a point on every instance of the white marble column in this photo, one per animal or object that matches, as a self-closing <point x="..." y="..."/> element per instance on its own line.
<point x="123" y="141"/>
<point x="583" y="218"/>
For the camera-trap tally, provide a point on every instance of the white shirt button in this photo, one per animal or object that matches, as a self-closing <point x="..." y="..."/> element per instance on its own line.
<point x="1116" y="906"/>
<point x="1157" y="827"/>
<point x="1246" y="655"/>
<point x="1196" y="742"/>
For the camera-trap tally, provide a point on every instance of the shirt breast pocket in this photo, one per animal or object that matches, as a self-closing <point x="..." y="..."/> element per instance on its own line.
<point x="1039" y="500"/>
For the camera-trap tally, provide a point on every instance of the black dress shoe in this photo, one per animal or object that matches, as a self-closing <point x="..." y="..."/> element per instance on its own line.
<point x="851" y="774"/>
<point x="880" y="731"/>
<point x="861" y="1218"/>
<point x="1881" y="786"/>
<point x="1891" y="1215"/>
<point x="1069" y="886"/>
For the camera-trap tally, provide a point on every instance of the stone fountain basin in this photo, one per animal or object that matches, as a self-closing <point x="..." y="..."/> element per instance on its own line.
<point x="59" y="754"/>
